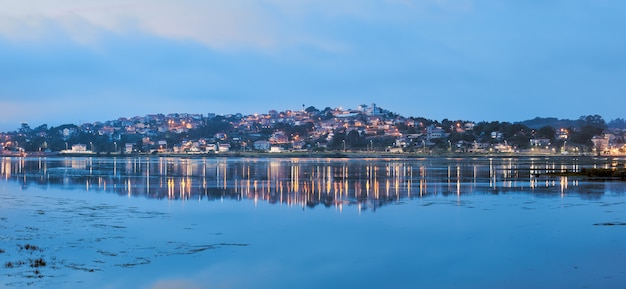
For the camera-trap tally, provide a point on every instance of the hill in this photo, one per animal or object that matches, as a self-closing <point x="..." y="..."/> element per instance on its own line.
<point x="539" y="122"/>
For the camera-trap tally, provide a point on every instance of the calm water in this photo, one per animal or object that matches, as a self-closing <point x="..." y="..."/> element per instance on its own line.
<point x="309" y="223"/>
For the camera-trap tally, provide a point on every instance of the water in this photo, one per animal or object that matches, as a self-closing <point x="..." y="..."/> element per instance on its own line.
<point x="309" y="223"/>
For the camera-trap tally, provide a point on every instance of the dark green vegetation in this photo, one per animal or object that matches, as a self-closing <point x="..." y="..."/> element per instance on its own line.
<point x="26" y="253"/>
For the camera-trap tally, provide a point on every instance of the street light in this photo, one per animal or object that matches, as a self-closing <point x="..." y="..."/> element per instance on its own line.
<point x="344" y="145"/>
<point x="115" y="144"/>
<point x="371" y="146"/>
<point x="450" y="145"/>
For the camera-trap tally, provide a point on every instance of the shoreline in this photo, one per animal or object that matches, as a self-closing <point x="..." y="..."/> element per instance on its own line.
<point x="374" y="155"/>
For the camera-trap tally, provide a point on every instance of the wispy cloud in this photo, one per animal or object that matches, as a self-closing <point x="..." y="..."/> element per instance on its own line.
<point x="214" y="23"/>
<point x="261" y="24"/>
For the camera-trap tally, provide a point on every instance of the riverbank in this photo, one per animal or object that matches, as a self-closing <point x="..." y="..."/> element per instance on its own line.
<point x="304" y="154"/>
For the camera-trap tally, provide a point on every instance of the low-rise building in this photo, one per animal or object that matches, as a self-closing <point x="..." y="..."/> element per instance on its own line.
<point x="539" y="142"/>
<point x="262" y="145"/>
<point x="128" y="148"/>
<point x="223" y="147"/>
<point x="600" y="143"/>
<point x="276" y="149"/>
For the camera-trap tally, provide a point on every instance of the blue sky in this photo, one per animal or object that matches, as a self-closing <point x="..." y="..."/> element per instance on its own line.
<point x="73" y="61"/>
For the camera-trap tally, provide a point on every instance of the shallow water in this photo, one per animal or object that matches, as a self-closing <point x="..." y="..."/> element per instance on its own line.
<point x="309" y="223"/>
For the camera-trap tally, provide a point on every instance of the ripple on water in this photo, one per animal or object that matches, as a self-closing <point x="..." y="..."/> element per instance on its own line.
<point x="78" y="236"/>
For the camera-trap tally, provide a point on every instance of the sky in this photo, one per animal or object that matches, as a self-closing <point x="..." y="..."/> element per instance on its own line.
<point x="76" y="61"/>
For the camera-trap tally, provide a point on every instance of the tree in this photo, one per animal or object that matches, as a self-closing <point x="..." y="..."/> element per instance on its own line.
<point x="355" y="140"/>
<point x="25" y="129"/>
<point x="423" y="122"/>
<point x="521" y="141"/>
<point x="486" y="128"/>
<point x="41" y="129"/>
<point x="594" y="121"/>
<point x="338" y="140"/>
<point x="589" y="126"/>
<point x="546" y="132"/>
<point x="405" y="129"/>
<point x="455" y="137"/>
<point x="211" y="127"/>
<point x="312" y="110"/>
<point x="447" y="125"/>
<point x="618" y="123"/>
<point x="326" y="114"/>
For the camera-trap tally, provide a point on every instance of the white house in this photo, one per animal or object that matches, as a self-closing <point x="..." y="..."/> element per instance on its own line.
<point x="262" y="145"/>
<point x="276" y="149"/>
<point x="128" y="148"/>
<point x="433" y="132"/>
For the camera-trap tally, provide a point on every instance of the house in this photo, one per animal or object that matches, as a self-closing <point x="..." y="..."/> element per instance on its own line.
<point x="402" y="142"/>
<point x="262" y="145"/>
<point x="67" y="132"/>
<point x="464" y="145"/>
<point x="600" y="143"/>
<point x="128" y="148"/>
<point x="220" y="136"/>
<point x="210" y="148"/>
<point x="434" y="132"/>
<point x="503" y="148"/>
<point x="223" y="147"/>
<point x="279" y="137"/>
<point x="276" y="149"/>
<point x="106" y="130"/>
<point x="539" y="142"/>
<point x="77" y="149"/>
<point x="479" y="147"/>
<point x="298" y="145"/>
<point x="496" y="135"/>
<point x="394" y="150"/>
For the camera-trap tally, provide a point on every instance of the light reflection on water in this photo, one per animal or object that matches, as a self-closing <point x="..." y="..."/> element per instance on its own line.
<point x="304" y="182"/>
<point x="439" y="223"/>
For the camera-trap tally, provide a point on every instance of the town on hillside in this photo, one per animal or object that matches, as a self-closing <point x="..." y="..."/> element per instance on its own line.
<point x="367" y="129"/>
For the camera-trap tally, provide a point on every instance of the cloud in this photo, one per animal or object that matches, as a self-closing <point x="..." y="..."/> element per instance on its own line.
<point x="214" y="23"/>
<point x="217" y="24"/>
<point x="221" y="25"/>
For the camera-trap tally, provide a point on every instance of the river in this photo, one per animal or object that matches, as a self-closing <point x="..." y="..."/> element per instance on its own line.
<point x="150" y="222"/>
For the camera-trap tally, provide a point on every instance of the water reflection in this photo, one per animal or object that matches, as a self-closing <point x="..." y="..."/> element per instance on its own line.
<point x="368" y="183"/>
